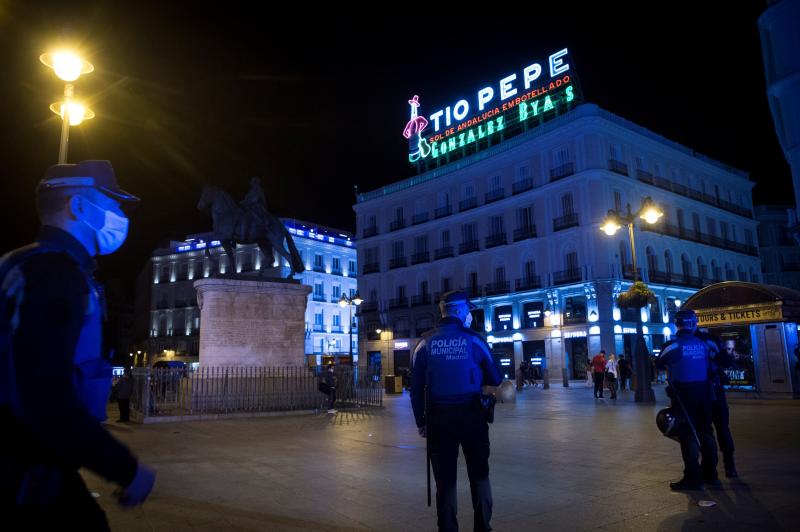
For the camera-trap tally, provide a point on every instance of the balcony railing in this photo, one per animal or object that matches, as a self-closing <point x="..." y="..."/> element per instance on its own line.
<point x="528" y="283"/>
<point x="666" y="184"/>
<point x="497" y="239"/>
<point x="337" y="329"/>
<point x="567" y="276"/>
<point x="419" y="218"/>
<point x="397" y="225"/>
<point x="443" y="253"/>
<point x="372" y="267"/>
<point x="498" y="287"/>
<point x="369" y="231"/>
<point x="398" y="302"/>
<point x="368" y="306"/>
<point x="566" y="221"/>
<point x="336" y="271"/>
<point x="560" y="172"/>
<point x="677" y="279"/>
<point x="422" y="256"/>
<point x="397" y="262"/>
<point x="319" y="327"/>
<point x="524" y="233"/>
<point x="318" y="297"/>
<point x="422" y="299"/>
<point x="627" y="272"/>
<point x="468" y="247"/>
<point x="467" y="204"/>
<point x="473" y="291"/>
<point x="441" y="212"/>
<point x="522" y="185"/>
<point x="494" y="195"/>
<point x="702" y="238"/>
<point x="319" y="268"/>
<point x="618" y="166"/>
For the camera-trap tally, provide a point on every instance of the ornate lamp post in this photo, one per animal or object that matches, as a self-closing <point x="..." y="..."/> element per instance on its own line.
<point x="650" y="213"/>
<point x="348" y="302"/>
<point x="69" y="68"/>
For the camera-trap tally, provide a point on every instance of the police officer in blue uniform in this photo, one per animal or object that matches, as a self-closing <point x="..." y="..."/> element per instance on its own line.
<point x="452" y="363"/>
<point x="55" y="378"/>
<point x="720" y="414"/>
<point x="688" y="359"/>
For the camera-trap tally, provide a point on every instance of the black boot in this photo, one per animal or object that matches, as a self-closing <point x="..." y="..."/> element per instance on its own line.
<point x="730" y="467"/>
<point x="685" y="485"/>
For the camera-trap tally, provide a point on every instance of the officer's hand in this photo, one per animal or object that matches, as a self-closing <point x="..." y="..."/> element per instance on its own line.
<point x="422" y="431"/>
<point x="138" y="490"/>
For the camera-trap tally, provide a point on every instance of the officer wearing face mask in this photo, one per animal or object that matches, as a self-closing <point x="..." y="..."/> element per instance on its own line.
<point x="451" y="363"/>
<point x="54" y="376"/>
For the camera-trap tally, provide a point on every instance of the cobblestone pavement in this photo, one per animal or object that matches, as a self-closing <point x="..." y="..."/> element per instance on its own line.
<point x="561" y="460"/>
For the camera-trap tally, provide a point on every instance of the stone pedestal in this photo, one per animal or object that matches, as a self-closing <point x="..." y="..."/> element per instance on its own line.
<point x="251" y="323"/>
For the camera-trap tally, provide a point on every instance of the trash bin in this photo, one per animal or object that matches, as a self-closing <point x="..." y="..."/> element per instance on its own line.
<point x="394" y="384"/>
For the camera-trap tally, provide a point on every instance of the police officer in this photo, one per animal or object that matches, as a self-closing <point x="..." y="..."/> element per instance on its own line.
<point x="720" y="415"/>
<point x="54" y="377"/>
<point x="688" y="359"/>
<point x="453" y="362"/>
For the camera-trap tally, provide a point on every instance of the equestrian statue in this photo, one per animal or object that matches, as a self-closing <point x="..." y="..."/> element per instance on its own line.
<point x="249" y="223"/>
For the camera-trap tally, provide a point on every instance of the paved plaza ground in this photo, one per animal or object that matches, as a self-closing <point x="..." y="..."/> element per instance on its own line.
<point x="561" y="460"/>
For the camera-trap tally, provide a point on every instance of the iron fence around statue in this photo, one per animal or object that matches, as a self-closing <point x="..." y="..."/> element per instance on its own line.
<point x="168" y="392"/>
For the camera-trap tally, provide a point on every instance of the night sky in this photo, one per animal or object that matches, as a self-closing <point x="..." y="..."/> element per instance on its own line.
<point x="314" y="103"/>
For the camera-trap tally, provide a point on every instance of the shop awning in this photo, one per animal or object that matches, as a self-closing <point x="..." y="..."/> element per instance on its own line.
<point x="739" y="302"/>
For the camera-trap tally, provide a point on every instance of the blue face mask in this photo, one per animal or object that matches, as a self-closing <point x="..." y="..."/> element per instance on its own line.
<point x="111" y="235"/>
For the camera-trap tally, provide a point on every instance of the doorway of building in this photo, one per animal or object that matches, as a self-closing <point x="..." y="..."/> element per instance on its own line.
<point x="503" y="355"/>
<point x="402" y="365"/>
<point x="578" y="356"/>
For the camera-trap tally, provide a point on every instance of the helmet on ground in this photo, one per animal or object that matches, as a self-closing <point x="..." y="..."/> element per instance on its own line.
<point x="671" y="422"/>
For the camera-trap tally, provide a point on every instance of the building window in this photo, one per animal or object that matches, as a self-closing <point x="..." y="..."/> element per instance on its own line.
<point x="319" y="290"/>
<point x="496" y="225"/>
<point x="468" y="233"/>
<point x="337" y="292"/>
<point x="318" y="261"/>
<point x="525" y="218"/>
<point x="446" y="238"/>
<point x="566" y="204"/>
<point x="652" y="260"/>
<point x="575" y="309"/>
<point x="618" y="200"/>
<point x="420" y="244"/>
<point x="533" y="315"/>
<point x="711" y="224"/>
<point x="351" y="267"/>
<point x="319" y="319"/>
<point x="668" y="263"/>
<point x="572" y="261"/>
<point x="500" y="274"/>
<point x="397" y="250"/>
<point x="337" y="320"/>
<point x="337" y="264"/>
<point x="469" y="191"/>
<point x="723" y="230"/>
<point x="494" y="182"/>
<point x="561" y="156"/>
<point x="502" y="318"/>
<point x="446" y="284"/>
<point x="686" y="266"/>
<point x="529" y="269"/>
<point x="522" y="172"/>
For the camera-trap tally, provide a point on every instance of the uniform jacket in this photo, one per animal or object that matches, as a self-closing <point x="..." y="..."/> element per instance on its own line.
<point x="456" y="362"/>
<point x="687" y="357"/>
<point x="60" y="379"/>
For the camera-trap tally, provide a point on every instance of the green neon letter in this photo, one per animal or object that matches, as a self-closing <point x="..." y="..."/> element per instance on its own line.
<point x="570" y="94"/>
<point x="523" y="111"/>
<point x="548" y="104"/>
<point x="500" y="124"/>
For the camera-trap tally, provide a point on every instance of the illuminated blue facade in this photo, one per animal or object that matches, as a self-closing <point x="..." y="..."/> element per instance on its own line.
<point x="173" y="317"/>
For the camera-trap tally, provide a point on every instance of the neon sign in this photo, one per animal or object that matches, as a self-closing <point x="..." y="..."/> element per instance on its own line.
<point x="495" y="112"/>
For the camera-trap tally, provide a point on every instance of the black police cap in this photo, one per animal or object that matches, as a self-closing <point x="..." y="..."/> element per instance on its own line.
<point x="455" y="297"/>
<point x="92" y="174"/>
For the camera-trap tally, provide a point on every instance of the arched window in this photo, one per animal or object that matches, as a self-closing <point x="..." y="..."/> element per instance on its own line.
<point x="742" y="274"/>
<point x="686" y="266"/>
<point x="753" y="276"/>
<point x="652" y="261"/>
<point x="701" y="268"/>
<point x="729" y="275"/>
<point x="716" y="273"/>
<point x="668" y="262"/>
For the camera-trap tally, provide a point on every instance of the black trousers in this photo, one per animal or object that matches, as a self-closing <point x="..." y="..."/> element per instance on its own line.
<point x="451" y="427"/>
<point x="124" y="409"/>
<point x="698" y="401"/>
<point x="67" y="505"/>
<point x="721" y="417"/>
<point x="331" y="398"/>
<point x="598" y="383"/>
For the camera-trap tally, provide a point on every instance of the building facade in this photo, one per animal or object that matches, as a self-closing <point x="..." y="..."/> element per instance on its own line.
<point x="780" y="254"/>
<point x="517" y="226"/>
<point x="170" y="318"/>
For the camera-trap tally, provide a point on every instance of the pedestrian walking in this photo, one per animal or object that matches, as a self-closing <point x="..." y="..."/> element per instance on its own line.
<point x="330" y="383"/>
<point x="688" y="359"/>
<point x="451" y="364"/>
<point x="123" y="391"/>
<point x="598" y="365"/>
<point x="55" y="378"/>
<point x="611" y="375"/>
<point x="624" y="366"/>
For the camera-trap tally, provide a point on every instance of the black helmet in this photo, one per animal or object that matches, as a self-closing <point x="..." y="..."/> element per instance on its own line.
<point x="686" y="318"/>
<point x="671" y="423"/>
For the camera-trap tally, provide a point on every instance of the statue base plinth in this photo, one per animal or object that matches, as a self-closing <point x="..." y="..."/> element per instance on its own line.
<point x="247" y="322"/>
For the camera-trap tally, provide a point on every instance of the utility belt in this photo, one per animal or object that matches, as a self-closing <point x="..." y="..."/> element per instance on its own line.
<point x="479" y="405"/>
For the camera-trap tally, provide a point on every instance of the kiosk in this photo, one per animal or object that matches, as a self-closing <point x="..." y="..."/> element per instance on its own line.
<point x="758" y="324"/>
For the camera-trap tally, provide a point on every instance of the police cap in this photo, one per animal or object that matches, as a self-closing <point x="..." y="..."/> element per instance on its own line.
<point x="455" y="297"/>
<point x="92" y="174"/>
<point x="685" y="318"/>
<point x="672" y="423"/>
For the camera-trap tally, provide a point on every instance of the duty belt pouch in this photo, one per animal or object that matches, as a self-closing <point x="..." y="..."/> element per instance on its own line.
<point x="485" y="406"/>
<point x="41" y="486"/>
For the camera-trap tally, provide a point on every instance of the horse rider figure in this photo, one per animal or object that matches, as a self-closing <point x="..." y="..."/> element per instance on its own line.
<point x="254" y="204"/>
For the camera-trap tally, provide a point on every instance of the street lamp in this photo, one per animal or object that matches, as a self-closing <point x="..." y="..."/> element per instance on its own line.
<point x="650" y="213"/>
<point x="350" y="302"/>
<point x="68" y="67"/>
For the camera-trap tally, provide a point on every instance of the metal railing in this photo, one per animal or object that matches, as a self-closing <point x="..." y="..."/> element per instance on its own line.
<point x="525" y="232"/>
<point x="497" y="239"/>
<point x="618" y="166"/>
<point x="422" y="256"/>
<point x="419" y="218"/>
<point x="237" y="390"/>
<point x="468" y="247"/>
<point x="397" y="224"/>
<point x="522" y="185"/>
<point x="441" y="212"/>
<point x="567" y="276"/>
<point x="498" y="287"/>
<point x="528" y="283"/>
<point x="566" y="221"/>
<point x="469" y="203"/>
<point x="683" y="190"/>
<point x="397" y="262"/>
<point x="494" y="195"/>
<point x="370" y="231"/>
<point x="372" y="267"/>
<point x="562" y="171"/>
<point x="443" y="253"/>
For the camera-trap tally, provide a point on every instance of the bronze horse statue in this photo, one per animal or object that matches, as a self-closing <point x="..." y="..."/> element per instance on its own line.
<point x="235" y="225"/>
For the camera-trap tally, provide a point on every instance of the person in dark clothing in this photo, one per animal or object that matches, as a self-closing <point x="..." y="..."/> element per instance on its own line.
<point x="688" y="359"/>
<point x="624" y="371"/>
<point x="451" y="364"/>
<point x="123" y="391"/>
<point x="330" y="380"/>
<point x="598" y="365"/>
<point x="720" y="415"/>
<point x="52" y="342"/>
